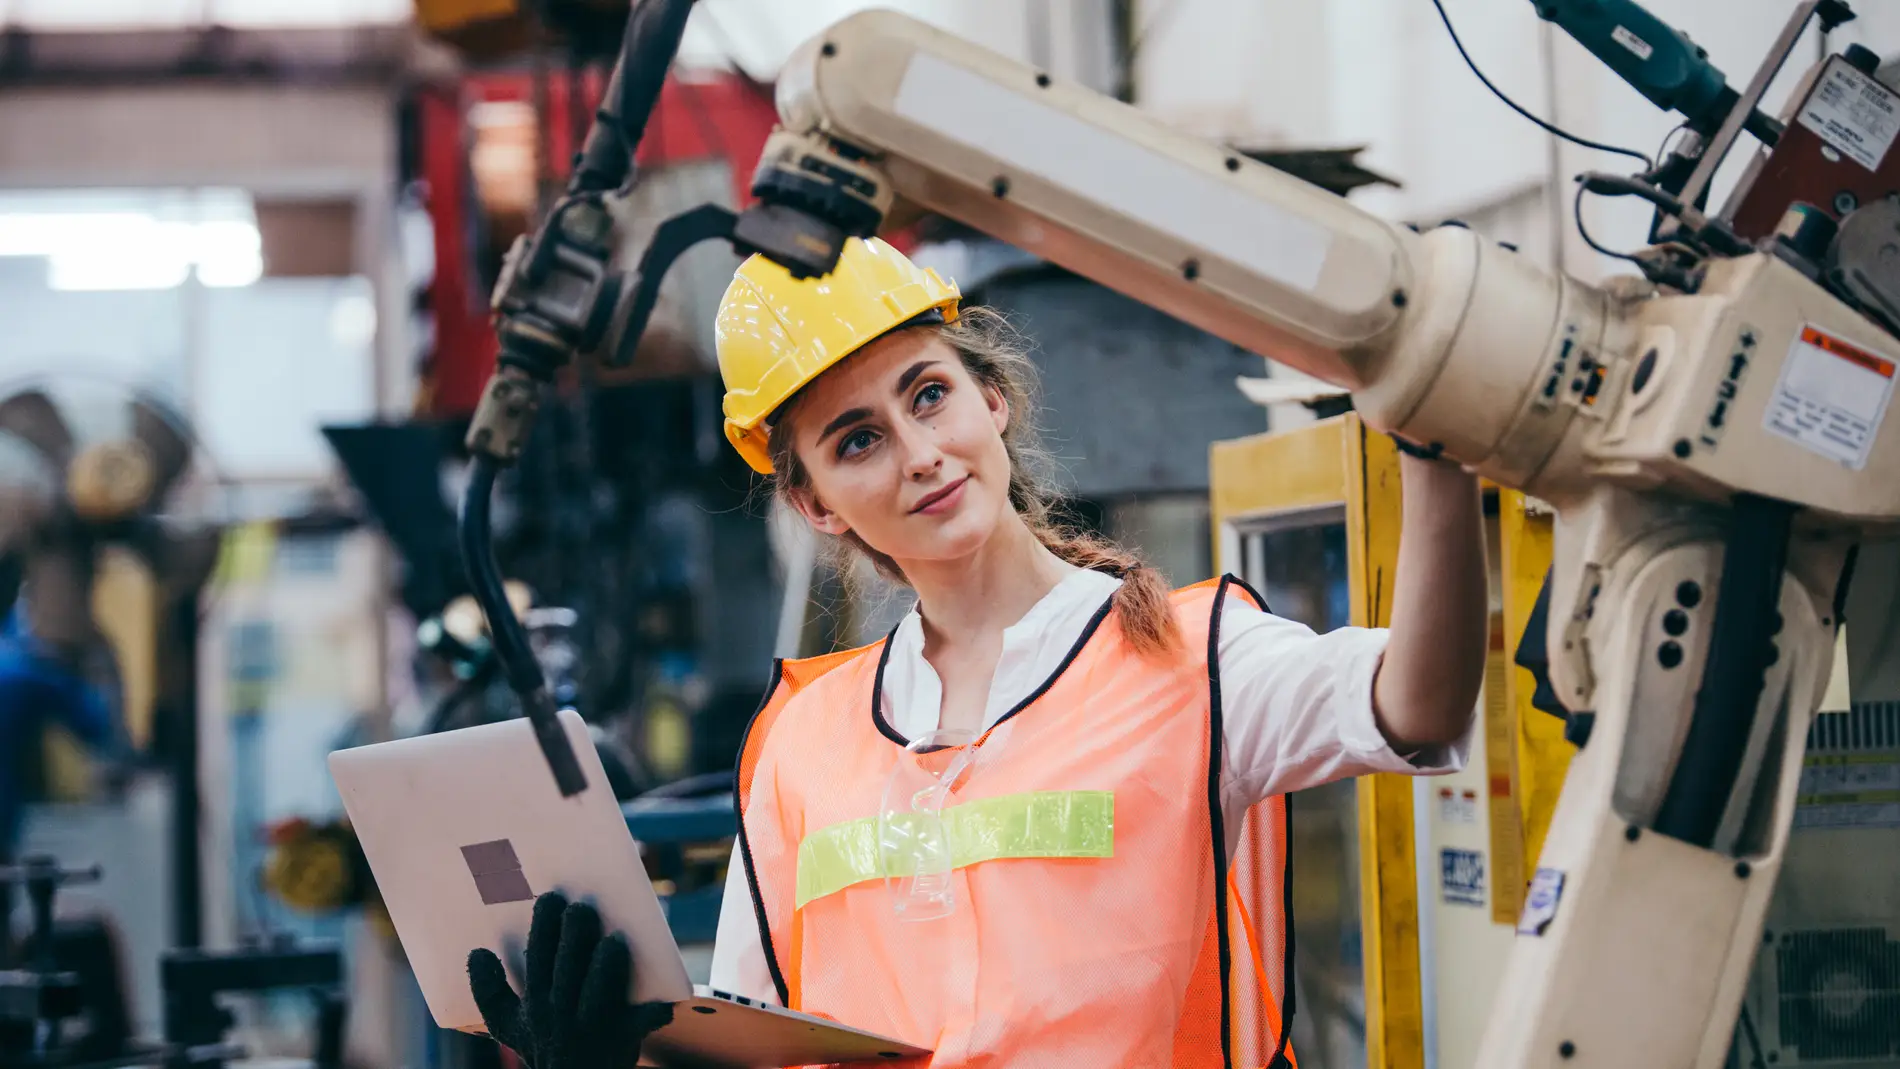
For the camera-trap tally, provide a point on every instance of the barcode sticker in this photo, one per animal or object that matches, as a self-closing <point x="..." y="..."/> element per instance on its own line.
<point x="1854" y="113"/>
<point x="1831" y="398"/>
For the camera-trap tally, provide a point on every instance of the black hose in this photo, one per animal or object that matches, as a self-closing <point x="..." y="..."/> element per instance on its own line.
<point x="653" y="37"/>
<point x="654" y="30"/>
<point x="510" y="638"/>
<point x="484" y="578"/>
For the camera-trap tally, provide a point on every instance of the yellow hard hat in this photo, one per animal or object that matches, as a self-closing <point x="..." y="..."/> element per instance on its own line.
<point x="775" y="333"/>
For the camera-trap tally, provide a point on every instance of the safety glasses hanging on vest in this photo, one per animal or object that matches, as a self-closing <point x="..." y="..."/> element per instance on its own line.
<point x="915" y="851"/>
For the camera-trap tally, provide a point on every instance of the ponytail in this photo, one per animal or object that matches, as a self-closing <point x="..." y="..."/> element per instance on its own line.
<point x="1142" y="602"/>
<point x="994" y="356"/>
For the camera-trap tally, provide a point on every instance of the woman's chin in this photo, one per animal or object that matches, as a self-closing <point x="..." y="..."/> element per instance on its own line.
<point x="954" y="537"/>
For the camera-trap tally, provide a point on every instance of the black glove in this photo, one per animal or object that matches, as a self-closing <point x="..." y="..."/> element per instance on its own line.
<point x="574" y="1014"/>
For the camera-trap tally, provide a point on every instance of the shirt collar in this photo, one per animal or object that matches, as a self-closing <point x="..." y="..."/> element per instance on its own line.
<point x="1081" y="587"/>
<point x="1033" y="649"/>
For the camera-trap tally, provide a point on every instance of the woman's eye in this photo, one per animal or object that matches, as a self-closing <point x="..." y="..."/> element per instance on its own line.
<point x="855" y="442"/>
<point x="931" y="394"/>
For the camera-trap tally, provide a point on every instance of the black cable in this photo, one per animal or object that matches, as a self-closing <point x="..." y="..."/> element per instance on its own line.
<point x="652" y="40"/>
<point x="510" y="640"/>
<point x="1617" y="185"/>
<point x="1662" y="150"/>
<point x="1577" y="210"/>
<point x="1705" y="236"/>
<point x="1499" y="93"/>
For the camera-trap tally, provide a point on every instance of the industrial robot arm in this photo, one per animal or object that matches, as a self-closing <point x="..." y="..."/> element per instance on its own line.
<point x="1529" y="378"/>
<point x="1712" y="450"/>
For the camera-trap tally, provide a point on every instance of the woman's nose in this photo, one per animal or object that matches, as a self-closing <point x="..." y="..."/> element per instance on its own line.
<point x="922" y="457"/>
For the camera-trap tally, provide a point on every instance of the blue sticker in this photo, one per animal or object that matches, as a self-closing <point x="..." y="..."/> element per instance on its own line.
<point x="1461" y="877"/>
<point x="1540" y="905"/>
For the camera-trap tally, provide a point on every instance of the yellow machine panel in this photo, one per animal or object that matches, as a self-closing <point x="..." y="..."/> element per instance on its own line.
<point x="1310" y="516"/>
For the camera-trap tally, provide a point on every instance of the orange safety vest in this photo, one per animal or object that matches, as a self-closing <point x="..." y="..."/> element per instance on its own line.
<point x="1098" y="921"/>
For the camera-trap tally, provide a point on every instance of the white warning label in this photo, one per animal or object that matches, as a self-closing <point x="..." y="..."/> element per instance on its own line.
<point x="1457" y="807"/>
<point x="1858" y="790"/>
<point x="1854" y="113"/>
<point x="1831" y="397"/>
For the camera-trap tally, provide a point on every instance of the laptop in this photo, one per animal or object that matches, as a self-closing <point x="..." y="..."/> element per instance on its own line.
<point x="464" y="828"/>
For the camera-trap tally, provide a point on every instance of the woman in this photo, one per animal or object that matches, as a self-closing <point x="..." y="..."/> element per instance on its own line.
<point x="1004" y="832"/>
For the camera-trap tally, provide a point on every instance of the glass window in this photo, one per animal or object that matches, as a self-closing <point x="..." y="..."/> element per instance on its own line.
<point x="165" y="289"/>
<point x="88" y="288"/>
<point x="277" y="360"/>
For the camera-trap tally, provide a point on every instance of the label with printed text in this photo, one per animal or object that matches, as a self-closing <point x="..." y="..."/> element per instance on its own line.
<point x="1855" y="790"/>
<point x="1457" y="807"/>
<point x="1854" y="113"/>
<point x="1461" y="876"/>
<point x="1832" y="397"/>
<point x="1637" y="46"/>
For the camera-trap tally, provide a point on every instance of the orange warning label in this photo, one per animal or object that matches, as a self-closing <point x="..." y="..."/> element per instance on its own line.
<point x="1879" y="365"/>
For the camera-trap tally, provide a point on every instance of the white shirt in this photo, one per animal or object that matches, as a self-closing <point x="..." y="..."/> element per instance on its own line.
<point x="1296" y="712"/>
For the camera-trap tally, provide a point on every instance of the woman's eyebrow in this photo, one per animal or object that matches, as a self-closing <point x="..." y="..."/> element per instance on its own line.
<point x="845" y="419"/>
<point x="910" y="374"/>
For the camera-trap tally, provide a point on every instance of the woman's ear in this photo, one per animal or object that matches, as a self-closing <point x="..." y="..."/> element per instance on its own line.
<point x="999" y="407"/>
<point x="822" y="519"/>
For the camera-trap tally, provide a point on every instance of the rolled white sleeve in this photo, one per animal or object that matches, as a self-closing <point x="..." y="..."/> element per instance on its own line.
<point x="738" y="963"/>
<point x="1296" y="708"/>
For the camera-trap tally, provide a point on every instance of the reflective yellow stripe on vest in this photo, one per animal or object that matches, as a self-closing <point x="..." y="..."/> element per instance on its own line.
<point x="1034" y="824"/>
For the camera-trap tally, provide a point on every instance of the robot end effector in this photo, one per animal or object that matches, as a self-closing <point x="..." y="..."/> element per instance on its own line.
<point x="1536" y="381"/>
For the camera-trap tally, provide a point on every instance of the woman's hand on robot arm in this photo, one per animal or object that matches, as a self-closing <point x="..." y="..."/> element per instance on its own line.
<point x="573" y="1012"/>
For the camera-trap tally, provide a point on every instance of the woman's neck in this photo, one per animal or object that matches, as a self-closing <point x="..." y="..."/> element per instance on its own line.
<point x="966" y="599"/>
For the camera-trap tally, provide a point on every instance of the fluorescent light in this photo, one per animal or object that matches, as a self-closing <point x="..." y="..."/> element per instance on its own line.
<point x="227" y="254"/>
<point x="86" y="273"/>
<point x="46" y="234"/>
<point x="129" y="251"/>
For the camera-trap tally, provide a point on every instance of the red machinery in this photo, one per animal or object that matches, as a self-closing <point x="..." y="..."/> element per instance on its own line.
<point x="702" y="116"/>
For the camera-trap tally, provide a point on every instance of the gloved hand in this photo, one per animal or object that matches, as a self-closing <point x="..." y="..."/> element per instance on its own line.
<point x="574" y="1013"/>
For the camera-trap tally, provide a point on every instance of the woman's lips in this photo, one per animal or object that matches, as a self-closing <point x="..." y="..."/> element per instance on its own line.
<point x="942" y="499"/>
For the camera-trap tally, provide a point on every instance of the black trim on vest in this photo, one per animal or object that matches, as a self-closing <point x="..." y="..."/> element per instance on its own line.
<point x="1258" y="598"/>
<point x="1215" y="746"/>
<point x="745" y="846"/>
<point x="877" y="687"/>
<point x="1088" y="632"/>
<point x="1279" y="1059"/>
<point x="884" y="727"/>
